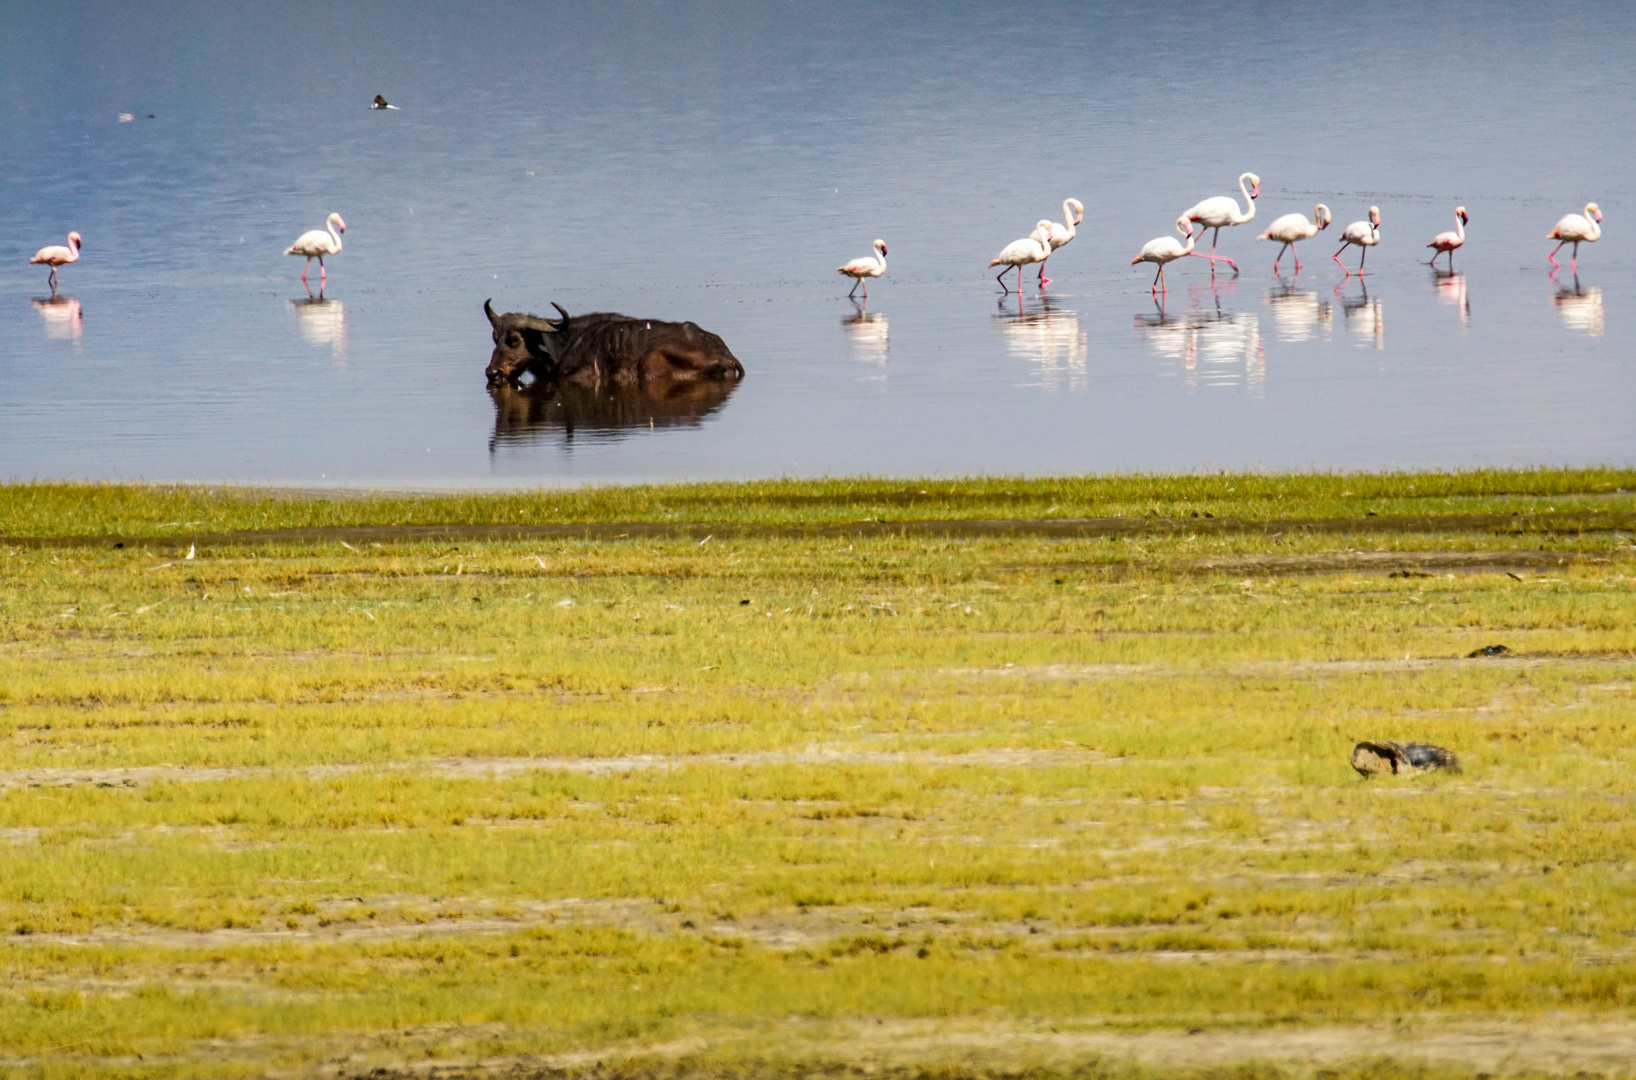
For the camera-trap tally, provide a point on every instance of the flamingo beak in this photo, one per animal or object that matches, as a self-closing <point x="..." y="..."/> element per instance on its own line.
<point x="1256" y="193"/>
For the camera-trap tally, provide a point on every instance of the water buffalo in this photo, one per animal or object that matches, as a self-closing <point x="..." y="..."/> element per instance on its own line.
<point x="605" y="348"/>
<point x="523" y="414"/>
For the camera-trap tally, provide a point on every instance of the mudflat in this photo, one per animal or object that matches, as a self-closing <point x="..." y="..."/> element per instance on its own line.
<point x="746" y="780"/>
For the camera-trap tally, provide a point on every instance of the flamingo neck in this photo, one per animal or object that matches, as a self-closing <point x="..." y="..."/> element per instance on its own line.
<point x="1068" y="217"/>
<point x="880" y="257"/>
<point x="1459" y="228"/>
<point x="1596" y="228"/>
<point x="1249" y="202"/>
<point x="334" y="237"/>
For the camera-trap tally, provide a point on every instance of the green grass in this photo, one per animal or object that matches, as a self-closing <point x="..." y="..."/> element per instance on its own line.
<point x="38" y="510"/>
<point x="805" y="802"/>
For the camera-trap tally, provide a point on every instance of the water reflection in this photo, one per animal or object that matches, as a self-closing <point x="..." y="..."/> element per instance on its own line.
<point x="868" y="334"/>
<point x="1048" y="337"/>
<point x="538" y="411"/>
<point x="1581" y="309"/>
<point x="1211" y="348"/>
<point x="322" y="322"/>
<point x="1364" y="319"/>
<point x="1451" y="290"/>
<point x="61" y="316"/>
<point x="1298" y="315"/>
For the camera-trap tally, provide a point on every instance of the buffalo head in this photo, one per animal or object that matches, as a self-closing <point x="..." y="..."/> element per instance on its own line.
<point x="522" y="343"/>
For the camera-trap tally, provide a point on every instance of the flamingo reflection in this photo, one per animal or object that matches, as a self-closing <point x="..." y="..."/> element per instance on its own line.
<point x="1451" y="290"/>
<point x="1211" y="347"/>
<point x="1048" y="337"/>
<point x="61" y="317"/>
<point x="1298" y="315"/>
<point x="1581" y="309"/>
<point x="868" y="334"/>
<point x="322" y="322"/>
<point x="1364" y="319"/>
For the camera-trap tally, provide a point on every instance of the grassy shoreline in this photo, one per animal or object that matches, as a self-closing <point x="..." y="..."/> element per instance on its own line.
<point x="813" y="802"/>
<point x="161" y="510"/>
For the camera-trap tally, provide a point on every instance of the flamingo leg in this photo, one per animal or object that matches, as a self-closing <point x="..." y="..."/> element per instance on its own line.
<point x="1001" y="280"/>
<point x="1296" y="255"/>
<point x="865" y="288"/>
<point x="322" y="275"/>
<point x="1337" y="258"/>
<point x="854" y="288"/>
<point x="1213" y="239"/>
<point x="1277" y="258"/>
<point x="1552" y="256"/>
<point x="1043" y="279"/>
<point x="1019" y="279"/>
<point x="1575" y="260"/>
<point x="305" y="266"/>
<point x="1362" y="257"/>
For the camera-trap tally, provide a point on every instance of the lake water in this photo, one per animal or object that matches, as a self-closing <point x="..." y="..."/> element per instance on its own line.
<point x="715" y="162"/>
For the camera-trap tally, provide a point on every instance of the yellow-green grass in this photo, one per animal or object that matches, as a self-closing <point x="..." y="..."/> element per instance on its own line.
<point x="792" y="803"/>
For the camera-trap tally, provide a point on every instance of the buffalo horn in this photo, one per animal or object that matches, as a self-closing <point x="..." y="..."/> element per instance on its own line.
<point x="564" y="314"/>
<point x="494" y="320"/>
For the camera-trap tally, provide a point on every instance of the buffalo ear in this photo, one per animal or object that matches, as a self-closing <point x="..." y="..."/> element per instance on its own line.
<point x="494" y="320"/>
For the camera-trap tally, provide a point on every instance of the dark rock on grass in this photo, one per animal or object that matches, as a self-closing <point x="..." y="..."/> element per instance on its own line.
<point x="1401" y="759"/>
<point x="1488" y="650"/>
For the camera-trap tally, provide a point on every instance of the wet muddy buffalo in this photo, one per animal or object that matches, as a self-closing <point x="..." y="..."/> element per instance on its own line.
<point x="605" y="348"/>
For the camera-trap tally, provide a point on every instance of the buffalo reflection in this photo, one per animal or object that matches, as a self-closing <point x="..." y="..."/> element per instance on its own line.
<point x="1050" y="339"/>
<point x="539" y="410"/>
<point x="1364" y="318"/>
<point x="868" y="334"/>
<point x="1215" y="348"/>
<point x="62" y="317"/>
<point x="1297" y="315"/>
<point x="1581" y="309"/>
<point x="1451" y="290"/>
<point x="322" y="322"/>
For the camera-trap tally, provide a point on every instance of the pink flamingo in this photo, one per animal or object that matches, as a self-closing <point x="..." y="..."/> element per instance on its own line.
<point x="317" y="243"/>
<point x="1166" y="250"/>
<point x="866" y="267"/>
<point x="1575" y="230"/>
<point x="1448" y="241"/>
<point x="1073" y="213"/>
<point x="1361" y="234"/>
<point x="1222" y="211"/>
<point x="1291" y="229"/>
<point x="56" y="255"/>
<point x="1034" y="248"/>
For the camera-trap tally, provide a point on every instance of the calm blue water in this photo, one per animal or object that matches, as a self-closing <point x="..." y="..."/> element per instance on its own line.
<point x="716" y="162"/>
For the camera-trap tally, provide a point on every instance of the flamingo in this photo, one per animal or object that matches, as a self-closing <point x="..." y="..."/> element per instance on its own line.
<point x="316" y="244"/>
<point x="1221" y="211"/>
<point x="1291" y="228"/>
<point x="1020" y="253"/>
<point x="866" y="267"/>
<point x="1361" y="234"/>
<point x="1575" y="230"/>
<point x="1073" y="212"/>
<point x="56" y="255"/>
<point x="1448" y="241"/>
<point x="1166" y="250"/>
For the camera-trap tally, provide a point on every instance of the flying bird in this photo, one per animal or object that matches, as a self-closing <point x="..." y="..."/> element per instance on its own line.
<point x="1361" y="234"/>
<point x="316" y="244"/>
<point x="1222" y="211"/>
<point x="1576" y="230"/>
<point x="380" y="103"/>
<point x="866" y="267"/>
<point x="56" y="255"/>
